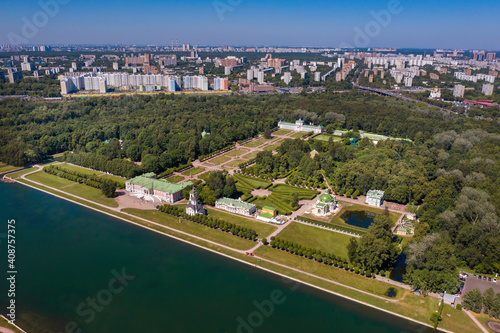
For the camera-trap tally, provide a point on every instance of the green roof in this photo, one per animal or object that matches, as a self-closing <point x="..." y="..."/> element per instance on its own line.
<point x="269" y="208"/>
<point x="158" y="184"/>
<point x="236" y="203"/>
<point x="266" y="215"/>
<point x="326" y="198"/>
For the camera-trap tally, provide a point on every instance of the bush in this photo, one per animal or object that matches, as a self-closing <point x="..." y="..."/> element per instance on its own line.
<point x="459" y="307"/>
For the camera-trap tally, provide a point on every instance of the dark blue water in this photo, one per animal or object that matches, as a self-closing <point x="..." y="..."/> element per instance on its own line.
<point x="68" y="258"/>
<point x="358" y="218"/>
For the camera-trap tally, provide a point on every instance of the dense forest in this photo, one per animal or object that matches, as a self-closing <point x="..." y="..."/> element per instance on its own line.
<point x="451" y="168"/>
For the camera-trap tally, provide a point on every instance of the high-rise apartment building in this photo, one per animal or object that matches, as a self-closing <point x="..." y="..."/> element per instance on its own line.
<point x="459" y="91"/>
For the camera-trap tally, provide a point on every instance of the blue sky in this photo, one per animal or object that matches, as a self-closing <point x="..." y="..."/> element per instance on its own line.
<point x="415" y="23"/>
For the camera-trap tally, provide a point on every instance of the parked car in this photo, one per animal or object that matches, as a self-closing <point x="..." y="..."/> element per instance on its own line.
<point x="489" y="279"/>
<point x="479" y="277"/>
<point x="484" y="278"/>
<point x="475" y="275"/>
<point x="495" y="280"/>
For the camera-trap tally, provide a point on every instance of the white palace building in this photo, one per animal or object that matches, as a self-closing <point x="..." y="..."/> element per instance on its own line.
<point x="300" y="127"/>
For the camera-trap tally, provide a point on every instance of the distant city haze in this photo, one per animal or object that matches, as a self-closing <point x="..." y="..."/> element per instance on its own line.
<point x="411" y="24"/>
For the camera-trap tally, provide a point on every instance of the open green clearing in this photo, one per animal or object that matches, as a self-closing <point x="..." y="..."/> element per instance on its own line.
<point x="250" y="156"/>
<point x="193" y="228"/>
<point x="329" y="241"/>
<point x="281" y="132"/>
<point x="49" y="180"/>
<point x="19" y="173"/>
<point x="234" y="164"/>
<point x="193" y="171"/>
<point x="117" y="179"/>
<point x="205" y="175"/>
<point x="271" y="147"/>
<point x="175" y="179"/>
<point x="299" y="135"/>
<point x="68" y="186"/>
<point x="219" y="160"/>
<point x="6" y="168"/>
<point x="90" y="193"/>
<point x="326" y="137"/>
<point x="237" y="152"/>
<point x="74" y="168"/>
<point x="257" y="143"/>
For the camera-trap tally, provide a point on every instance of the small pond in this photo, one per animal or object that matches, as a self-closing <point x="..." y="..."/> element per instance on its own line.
<point x="358" y="218"/>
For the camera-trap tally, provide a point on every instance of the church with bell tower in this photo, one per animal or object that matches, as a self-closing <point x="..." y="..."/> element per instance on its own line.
<point x="194" y="207"/>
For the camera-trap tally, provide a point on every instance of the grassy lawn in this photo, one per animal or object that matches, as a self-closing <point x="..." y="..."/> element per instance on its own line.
<point x="6" y="168"/>
<point x="256" y="143"/>
<point x="235" y="163"/>
<point x="193" y="171"/>
<point x="49" y="180"/>
<point x="175" y="179"/>
<point x="299" y="135"/>
<point x="90" y="193"/>
<point x="68" y="186"/>
<point x="271" y="147"/>
<point x="331" y="242"/>
<point x="117" y="179"/>
<point x="262" y="229"/>
<point x="193" y="228"/>
<point x="329" y="272"/>
<point x="250" y="156"/>
<point x="237" y="152"/>
<point x="20" y="173"/>
<point x="281" y="132"/>
<point x="288" y="191"/>
<point x="326" y="137"/>
<point x="205" y="175"/>
<point x="75" y="168"/>
<point x="219" y="160"/>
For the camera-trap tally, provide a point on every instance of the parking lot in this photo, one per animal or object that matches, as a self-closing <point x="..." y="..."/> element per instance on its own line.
<point x="473" y="283"/>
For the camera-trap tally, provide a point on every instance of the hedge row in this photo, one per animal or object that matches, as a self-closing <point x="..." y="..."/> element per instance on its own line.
<point x="170" y="171"/>
<point x="222" y="225"/>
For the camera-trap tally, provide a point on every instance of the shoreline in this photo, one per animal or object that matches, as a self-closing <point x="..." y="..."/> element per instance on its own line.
<point x="237" y="259"/>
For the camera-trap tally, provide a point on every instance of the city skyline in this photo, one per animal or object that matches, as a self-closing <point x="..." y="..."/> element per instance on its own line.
<point x="401" y="24"/>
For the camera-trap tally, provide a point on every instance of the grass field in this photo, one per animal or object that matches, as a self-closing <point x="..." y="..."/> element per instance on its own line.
<point x="68" y="186"/>
<point x="271" y="147"/>
<point x="299" y="135"/>
<point x="193" y="228"/>
<point x="237" y="152"/>
<point x="19" y="173"/>
<point x="326" y="137"/>
<point x="256" y="143"/>
<point x="6" y="168"/>
<point x="90" y="193"/>
<point x="74" y="168"/>
<point x="219" y="160"/>
<point x="288" y="191"/>
<point x="281" y="132"/>
<point x="175" y="179"/>
<point x="235" y="163"/>
<point x="205" y="175"/>
<point x="250" y="156"/>
<point x="331" y="242"/>
<point x="49" y="180"/>
<point x="117" y="179"/>
<point x="193" y="171"/>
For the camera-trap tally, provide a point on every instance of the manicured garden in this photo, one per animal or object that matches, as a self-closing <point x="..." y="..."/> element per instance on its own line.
<point x="175" y="179"/>
<point x="193" y="171"/>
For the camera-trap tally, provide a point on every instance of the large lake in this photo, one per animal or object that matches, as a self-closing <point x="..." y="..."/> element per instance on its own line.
<point x="68" y="257"/>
